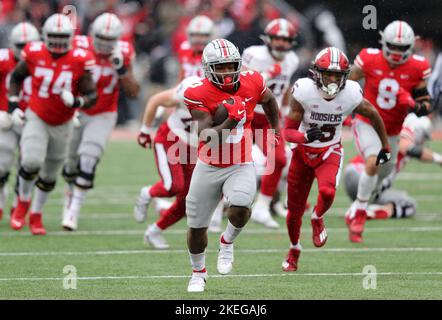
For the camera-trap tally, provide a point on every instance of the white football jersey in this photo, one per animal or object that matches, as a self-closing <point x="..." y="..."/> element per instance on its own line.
<point x="180" y="120"/>
<point x="327" y="115"/>
<point x="259" y="58"/>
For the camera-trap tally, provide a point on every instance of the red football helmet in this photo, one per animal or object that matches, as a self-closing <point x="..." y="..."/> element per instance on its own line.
<point x="330" y="71"/>
<point x="279" y="29"/>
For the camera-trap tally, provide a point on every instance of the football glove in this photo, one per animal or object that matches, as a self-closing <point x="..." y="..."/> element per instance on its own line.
<point x="237" y="109"/>
<point x="383" y="156"/>
<point x="144" y="137"/>
<point x="312" y="134"/>
<point x="273" y="72"/>
<point x="117" y="61"/>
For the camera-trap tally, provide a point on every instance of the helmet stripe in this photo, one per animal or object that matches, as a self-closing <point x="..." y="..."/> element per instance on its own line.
<point x="108" y="22"/>
<point x="59" y="22"/>
<point x="223" y="48"/>
<point x="25" y="36"/>
<point x="400" y="31"/>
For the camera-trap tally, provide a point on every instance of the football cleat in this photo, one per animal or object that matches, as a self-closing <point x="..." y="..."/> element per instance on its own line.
<point x="70" y="221"/>
<point x="197" y="282"/>
<point x="142" y="204"/>
<point x="19" y="214"/>
<point x="357" y="223"/>
<point x="225" y="257"/>
<point x="319" y="235"/>
<point x="291" y="261"/>
<point x="261" y="214"/>
<point x="280" y="209"/>
<point x="155" y="240"/>
<point x="355" y="237"/>
<point x="36" y="224"/>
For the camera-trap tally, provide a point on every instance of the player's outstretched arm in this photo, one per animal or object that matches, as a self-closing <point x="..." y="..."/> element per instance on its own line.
<point x="164" y="98"/>
<point x="367" y="110"/>
<point x="88" y="92"/>
<point x="129" y="84"/>
<point x="271" y="110"/>
<point x="19" y="74"/>
<point x="356" y="73"/>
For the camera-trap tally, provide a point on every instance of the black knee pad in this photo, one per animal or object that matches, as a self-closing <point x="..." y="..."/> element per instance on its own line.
<point x="85" y="180"/>
<point x="27" y="175"/>
<point x="4" y="179"/>
<point x="68" y="177"/>
<point x="45" y="185"/>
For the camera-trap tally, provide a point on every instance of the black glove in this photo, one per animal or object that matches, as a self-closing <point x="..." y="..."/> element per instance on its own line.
<point x="420" y="109"/>
<point x="313" y="134"/>
<point x="383" y="156"/>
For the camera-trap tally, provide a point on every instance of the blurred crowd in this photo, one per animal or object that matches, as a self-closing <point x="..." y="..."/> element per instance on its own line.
<point x="158" y="27"/>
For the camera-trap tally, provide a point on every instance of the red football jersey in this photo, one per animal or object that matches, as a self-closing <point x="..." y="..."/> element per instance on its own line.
<point x="237" y="147"/>
<point x="7" y="65"/>
<point x="104" y="75"/>
<point x="383" y="84"/>
<point x="190" y="61"/>
<point x="50" y="76"/>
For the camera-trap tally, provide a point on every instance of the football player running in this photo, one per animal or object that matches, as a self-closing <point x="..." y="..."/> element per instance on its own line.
<point x="224" y="165"/>
<point x="386" y="71"/>
<point x="61" y="83"/>
<point x="277" y="63"/>
<point x="319" y="106"/>
<point x="200" y="31"/>
<point x="392" y="203"/>
<point x="11" y="125"/>
<point x="175" y="169"/>
<point x="113" y="69"/>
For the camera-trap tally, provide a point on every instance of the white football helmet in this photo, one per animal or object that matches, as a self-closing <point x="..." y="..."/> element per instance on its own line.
<point x="58" y="33"/>
<point x="200" y="31"/>
<point x="397" y="41"/>
<point x="21" y="34"/>
<point x="105" y="31"/>
<point x="221" y="51"/>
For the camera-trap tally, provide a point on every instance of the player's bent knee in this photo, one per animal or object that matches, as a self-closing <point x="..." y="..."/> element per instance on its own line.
<point x="27" y="174"/>
<point x="46" y="186"/>
<point x="69" y="177"/>
<point x="240" y="199"/>
<point x="86" y="172"/>
<point x="328" y="193"/>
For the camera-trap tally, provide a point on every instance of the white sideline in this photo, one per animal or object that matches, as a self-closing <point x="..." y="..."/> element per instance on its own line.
<point x="182" y="251"/>
<point x="344" y="274"/>
<point x="184" y="231"/>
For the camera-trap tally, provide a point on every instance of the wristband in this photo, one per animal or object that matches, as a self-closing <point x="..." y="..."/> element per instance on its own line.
<point x="437" y="158"/>
<point x="145" y="129"/>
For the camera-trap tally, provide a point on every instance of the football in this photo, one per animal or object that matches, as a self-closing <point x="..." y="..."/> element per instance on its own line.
<point x="221" y="113"/>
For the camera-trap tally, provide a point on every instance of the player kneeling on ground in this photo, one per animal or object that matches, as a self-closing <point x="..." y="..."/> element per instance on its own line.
<point x="319" y="106"/>
<point x="225" y="165"/>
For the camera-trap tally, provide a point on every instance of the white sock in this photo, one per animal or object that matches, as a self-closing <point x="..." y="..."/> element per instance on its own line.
<point x="198" y="261"/>
<point x="146" y="192"/>
<point x="78" y="197"/>
<point x="366" y="186"/>
<point x="153" y="228"/>
<point x="39" y="201"/>
<point x="25" y="188"/>
<point x="231" y="232"/>
<point x="263" y="200"/>
<point x="296" y="246"/>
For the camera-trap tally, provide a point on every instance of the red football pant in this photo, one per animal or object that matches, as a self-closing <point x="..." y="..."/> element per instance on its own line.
<point x="178" y="209"/>
<point x="302" y="172"/>
<point x="175" y="176"/>
<point x="275" y="157"/>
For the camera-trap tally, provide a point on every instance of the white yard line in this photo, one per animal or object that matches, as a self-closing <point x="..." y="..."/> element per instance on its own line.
<point x="259" y="275"/>
<point x="183" y="251"/>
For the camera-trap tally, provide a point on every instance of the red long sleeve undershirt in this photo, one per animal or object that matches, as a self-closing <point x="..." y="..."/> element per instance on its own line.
<point x="291" y="132"/>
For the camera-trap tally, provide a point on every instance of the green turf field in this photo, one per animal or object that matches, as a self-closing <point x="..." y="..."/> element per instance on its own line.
<point x="112" y="262"/>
